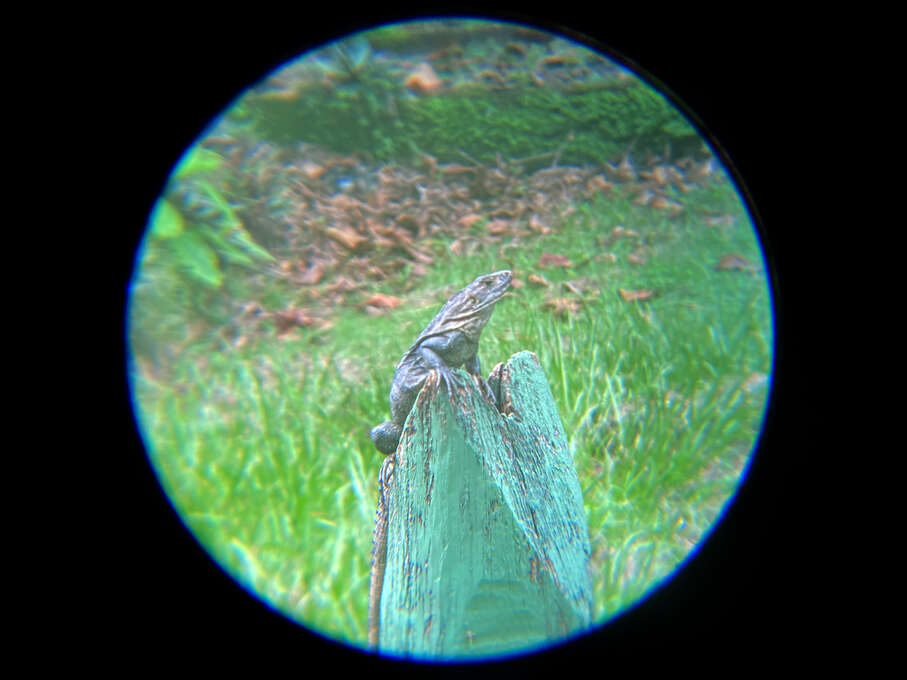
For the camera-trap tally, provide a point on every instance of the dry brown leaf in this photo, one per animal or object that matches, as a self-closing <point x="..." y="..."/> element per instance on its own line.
<point x="625" y="171"/>
<point x="599" y="183"/>
<point x="505" y="211"/>
<point x="583" y="287"/>
<point x="621" y="232"/>
<point x="636" y="295"/>
<point x="312" y="170"/>
<point x="562" y="306"/>
<point x="314" y="273"/>
<point x="497" y="227"/>
<point x="675" y="176"/>
<point x="423" y="79"/>
<point x="455" y="169"/>
<point x="346" y="237"/>
<point x="536" y="226"/>
<point x="282" y="94"/>
<point x="636" y="258"/>
<point x="733" y="262"/>
<point x="669" y="206"/>
<point x="720" y="221"/>
<point x="288" y="319"/>
<point x="701" y="171"/>
<point x="553" y="260"/>
<point x="344" y="202"/>
<point x="537" y="280"/>
<point x="488" y="74"/>
<point x="382" y="301"/>
<point x="553" y="60"/>
<point x="644" y="197"/>
<point x="469" y="220"/>
<point x="660" y="174"/>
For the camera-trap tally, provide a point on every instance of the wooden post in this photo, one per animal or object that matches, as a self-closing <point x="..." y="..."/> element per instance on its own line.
<point x="487" y="544"/>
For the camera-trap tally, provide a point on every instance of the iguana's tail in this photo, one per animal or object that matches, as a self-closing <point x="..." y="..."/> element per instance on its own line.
<point x="379" y="553"/>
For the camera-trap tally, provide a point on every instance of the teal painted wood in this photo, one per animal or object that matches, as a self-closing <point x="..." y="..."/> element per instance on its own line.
<point x="488" y="545"/>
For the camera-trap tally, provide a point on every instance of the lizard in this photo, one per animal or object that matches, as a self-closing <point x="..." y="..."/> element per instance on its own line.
<point x="450" y="340"/>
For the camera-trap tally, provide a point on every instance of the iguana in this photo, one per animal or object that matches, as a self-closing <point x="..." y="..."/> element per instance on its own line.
<point x="451" y="340"/>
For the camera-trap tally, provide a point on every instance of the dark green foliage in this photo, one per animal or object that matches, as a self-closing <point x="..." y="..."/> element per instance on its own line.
<point x="380" y="118"/>
<point x="194" y="237"/>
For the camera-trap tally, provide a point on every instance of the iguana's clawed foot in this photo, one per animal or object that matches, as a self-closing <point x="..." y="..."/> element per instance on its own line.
<point x="449" y="379"/>
<point x="489" y="393"/>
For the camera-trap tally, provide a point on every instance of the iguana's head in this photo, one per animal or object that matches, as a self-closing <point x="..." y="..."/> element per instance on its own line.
<point x="469" y="310"/>
<point x="487" y="289"/>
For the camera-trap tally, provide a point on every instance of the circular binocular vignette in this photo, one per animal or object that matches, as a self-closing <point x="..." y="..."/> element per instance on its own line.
<point x="323" y="263"/>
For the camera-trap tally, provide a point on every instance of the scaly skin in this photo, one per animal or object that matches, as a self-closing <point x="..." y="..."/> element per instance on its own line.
<point x="451" y="340"/>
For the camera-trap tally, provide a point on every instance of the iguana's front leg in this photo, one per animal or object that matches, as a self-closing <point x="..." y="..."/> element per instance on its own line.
<point x="434" y="351"/>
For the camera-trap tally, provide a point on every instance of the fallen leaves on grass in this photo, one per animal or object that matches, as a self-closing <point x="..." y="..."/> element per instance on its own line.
<point x="498" y="227"/>
<point x="583" y="287"/>
<point x="599" y="183"/>
<point x="547" y="260"/>
<point x="733" y="262"/>
<point x="384" y="301"/>
<point x="673" y="208"/>
<point x="312" y="170"/>
<point x="536" y="226"/>
<point x="621" y="232"/>
<point x="643" y="197"/>
<point x="468" y="220"/>
<point x="380" y="303"/>
<point x="287" y="319"/>
<point x="719" y="221"/>
<point x="346" y="237"/>
<point x="314" y="273"/>
<point x="636" y="295"/>
<point x="423" y="79"/>
<point x="562" y="306"/>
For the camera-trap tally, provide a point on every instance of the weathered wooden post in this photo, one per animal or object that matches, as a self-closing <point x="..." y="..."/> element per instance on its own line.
<point x="487" y="540"/>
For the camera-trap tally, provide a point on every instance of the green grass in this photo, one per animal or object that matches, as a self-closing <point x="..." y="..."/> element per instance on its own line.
<point x="264" y="450"/>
